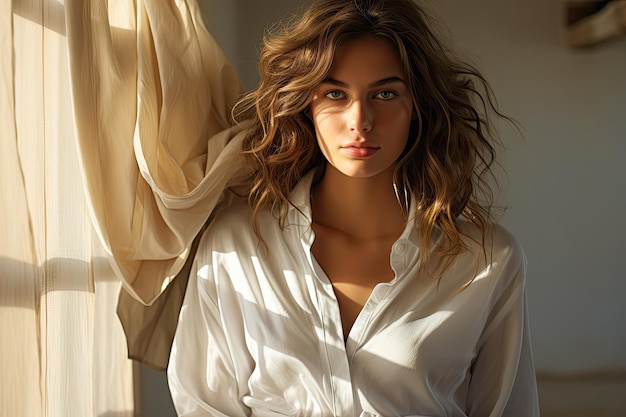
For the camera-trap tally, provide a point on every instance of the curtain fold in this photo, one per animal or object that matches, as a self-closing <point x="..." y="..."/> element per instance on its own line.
<point x="63" y="349"/>
<point x="19" y="279"/>
<point x="154" y="132"/>
<point x="116" y="145"/>
<point x="152" y="94"/>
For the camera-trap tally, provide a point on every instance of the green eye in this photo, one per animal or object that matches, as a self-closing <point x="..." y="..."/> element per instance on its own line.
<point x="386" y="95"/>
<point x="334" y="95"/>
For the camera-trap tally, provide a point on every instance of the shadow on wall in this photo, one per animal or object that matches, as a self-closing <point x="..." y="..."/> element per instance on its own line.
<point x="155" y="399"/>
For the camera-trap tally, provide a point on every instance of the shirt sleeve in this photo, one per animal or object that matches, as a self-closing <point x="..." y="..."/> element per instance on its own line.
<point x="503" y="382"/>
<point x="201" y="371"/>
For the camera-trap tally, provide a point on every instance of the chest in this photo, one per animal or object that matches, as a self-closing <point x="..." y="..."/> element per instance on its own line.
<point x="407" y="335"/>
<point x="354" y="267"/>
<point x="408" y="332"/>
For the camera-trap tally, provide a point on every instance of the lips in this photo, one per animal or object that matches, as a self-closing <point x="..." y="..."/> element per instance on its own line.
<point x="359" y="151"/>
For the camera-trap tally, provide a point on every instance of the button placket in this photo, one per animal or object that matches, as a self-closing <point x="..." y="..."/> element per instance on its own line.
<point x="399" y="255"/>
<point x="399" y="247"/>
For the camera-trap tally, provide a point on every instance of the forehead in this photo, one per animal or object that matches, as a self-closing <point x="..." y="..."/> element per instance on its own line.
<point x="368" y="56"/>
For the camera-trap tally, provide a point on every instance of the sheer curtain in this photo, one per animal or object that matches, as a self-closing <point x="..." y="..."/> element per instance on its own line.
<point x="63" y="351"/>
<point x="116" y="144"/>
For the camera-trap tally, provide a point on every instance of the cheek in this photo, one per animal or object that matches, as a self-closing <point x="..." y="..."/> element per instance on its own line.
<point x="397" y="128"/>
<point x="398" y="120"/>
<point x="322" y="133"/>
<point x="327" y="125"/>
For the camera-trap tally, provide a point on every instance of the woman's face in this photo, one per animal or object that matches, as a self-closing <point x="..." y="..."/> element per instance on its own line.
<point x="362" y="111"/>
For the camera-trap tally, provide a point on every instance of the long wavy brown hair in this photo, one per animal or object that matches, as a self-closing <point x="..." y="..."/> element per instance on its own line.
<point x="446" y="168"/>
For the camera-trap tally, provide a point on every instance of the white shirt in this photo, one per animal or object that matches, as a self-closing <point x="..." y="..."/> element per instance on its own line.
<point x="260" y="332"/>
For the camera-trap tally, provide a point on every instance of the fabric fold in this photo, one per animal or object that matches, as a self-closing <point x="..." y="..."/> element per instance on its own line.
<point x="154" y="132"/>
<point x="152" y="96"/>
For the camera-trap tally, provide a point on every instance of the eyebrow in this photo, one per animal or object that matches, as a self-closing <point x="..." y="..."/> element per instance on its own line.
<point x="375" y="84"/>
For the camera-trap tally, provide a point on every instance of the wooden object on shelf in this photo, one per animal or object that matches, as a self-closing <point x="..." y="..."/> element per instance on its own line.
<point x="590" y="23"/>
<point x="582" y="395"/>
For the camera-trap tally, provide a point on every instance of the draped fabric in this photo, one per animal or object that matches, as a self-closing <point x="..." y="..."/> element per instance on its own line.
<point x="153" y="95"/>
<point x="153" y="116"/>
<point x="115" y="146"/>
<point x="63" y="350"/>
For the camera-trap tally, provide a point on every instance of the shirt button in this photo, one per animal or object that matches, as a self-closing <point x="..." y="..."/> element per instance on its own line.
<point x="400" y="247"/>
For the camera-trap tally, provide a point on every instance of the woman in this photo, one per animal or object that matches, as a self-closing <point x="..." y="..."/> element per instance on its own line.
<point x="360" y="274"/>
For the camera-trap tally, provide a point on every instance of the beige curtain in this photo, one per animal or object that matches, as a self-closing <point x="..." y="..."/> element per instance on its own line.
<point x="62" y="348"/>
<point x="116" y="144"/>
<point x="152" y="97"/>
<point x="150" y="91"/>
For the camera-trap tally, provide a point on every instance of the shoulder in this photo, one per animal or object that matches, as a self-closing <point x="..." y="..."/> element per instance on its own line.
<point x="230" y="225"/>
<point x="499" y="251"/>
<point x="497" y="240"/>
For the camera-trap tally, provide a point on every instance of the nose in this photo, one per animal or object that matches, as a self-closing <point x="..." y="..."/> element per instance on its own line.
<point x="360" y="117"/>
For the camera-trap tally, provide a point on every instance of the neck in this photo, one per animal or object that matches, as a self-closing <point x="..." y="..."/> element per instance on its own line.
<point x="359" y="207"/>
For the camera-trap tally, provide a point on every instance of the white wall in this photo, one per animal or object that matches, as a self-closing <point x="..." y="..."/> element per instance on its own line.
<point x="238" y="25"/>
<point x="567" y="175"/>
<point x="567" y="196"/>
